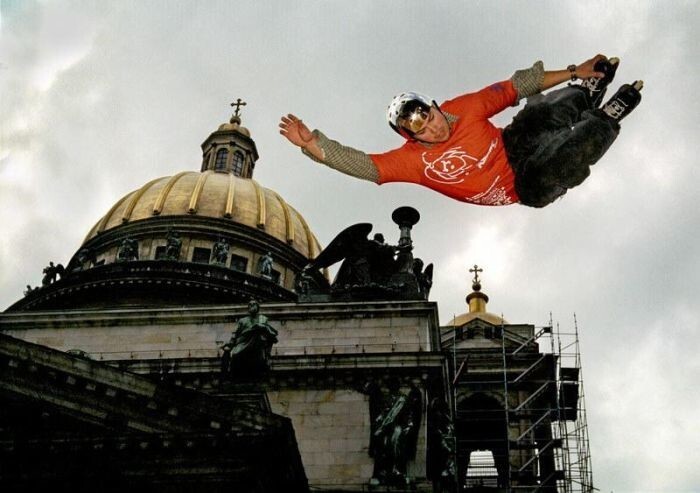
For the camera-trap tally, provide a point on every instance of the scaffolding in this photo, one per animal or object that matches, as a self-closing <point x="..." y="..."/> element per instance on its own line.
<point x="543" y="444"/>
<point x="571" y="427"/>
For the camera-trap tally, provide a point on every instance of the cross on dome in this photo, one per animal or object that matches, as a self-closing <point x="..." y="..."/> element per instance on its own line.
<point x="476" y="271"/>
<point x="239" y="102"/>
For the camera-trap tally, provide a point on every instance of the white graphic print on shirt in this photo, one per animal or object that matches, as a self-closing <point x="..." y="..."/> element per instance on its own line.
<point x="454" y="164"/>
<point x="493" y="196"/>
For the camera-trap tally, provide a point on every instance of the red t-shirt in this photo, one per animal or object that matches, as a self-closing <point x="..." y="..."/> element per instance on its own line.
<point x="471" y="166"/>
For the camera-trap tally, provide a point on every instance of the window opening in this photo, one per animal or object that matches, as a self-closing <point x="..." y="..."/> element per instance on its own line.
<point x="221" y="156"/>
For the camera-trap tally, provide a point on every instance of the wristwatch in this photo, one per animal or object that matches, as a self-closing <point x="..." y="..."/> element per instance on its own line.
<point x="572" y="68"/>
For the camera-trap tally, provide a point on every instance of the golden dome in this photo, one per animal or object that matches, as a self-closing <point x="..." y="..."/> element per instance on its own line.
<point x="476" y="300"/>
<point x="234" y="126"/>
<point x="465" y="318"/>
<point x="216" y="195"/>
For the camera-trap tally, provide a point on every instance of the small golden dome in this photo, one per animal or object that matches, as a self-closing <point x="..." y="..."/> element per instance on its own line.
<point x="216" y="195"/>
<point x="465" y="318"/>
<point x="476" y="300"/>
<point x="234" y="127"/>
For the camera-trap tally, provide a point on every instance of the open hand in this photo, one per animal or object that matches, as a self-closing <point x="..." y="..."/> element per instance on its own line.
<point x="295" y="131"/>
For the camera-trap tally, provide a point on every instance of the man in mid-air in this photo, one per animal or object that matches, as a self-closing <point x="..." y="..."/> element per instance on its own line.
<point x="454" y="149"/>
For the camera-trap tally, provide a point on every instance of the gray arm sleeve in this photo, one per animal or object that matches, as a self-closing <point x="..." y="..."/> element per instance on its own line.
<point x="528" y="82"/>
<point x="345" y="159"/>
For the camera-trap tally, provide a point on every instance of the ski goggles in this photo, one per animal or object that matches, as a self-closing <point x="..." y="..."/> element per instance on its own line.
<point x="413" y="117"/>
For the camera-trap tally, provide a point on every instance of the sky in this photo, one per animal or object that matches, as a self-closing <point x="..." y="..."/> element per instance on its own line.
<point x="97" y="98"/>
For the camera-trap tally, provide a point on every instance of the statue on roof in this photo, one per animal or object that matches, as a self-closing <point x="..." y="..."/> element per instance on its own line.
<point x="128" y="250"/>
<point x="85" y="255"/>
<point x="173" y="245"/>
<point x="51" y="272"/>
<point x="370" y="268"/>
<point x="423" y="276"/>
<point x="265" y="265"/>
<point x="219" y="254"/>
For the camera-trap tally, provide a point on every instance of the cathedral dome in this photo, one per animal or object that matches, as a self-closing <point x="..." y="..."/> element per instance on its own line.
<point x="213" y="236"/>
<point x="214" y="195"/>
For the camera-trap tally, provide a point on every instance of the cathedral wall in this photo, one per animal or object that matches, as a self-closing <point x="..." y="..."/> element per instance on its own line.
<point x="333" y="431"/>
<point x="369" y="343"/>
<point x="332" y="428"/>
<point x="143" y="334"/>
<point x="376" y="334"/>
<point x="133" y="342"/>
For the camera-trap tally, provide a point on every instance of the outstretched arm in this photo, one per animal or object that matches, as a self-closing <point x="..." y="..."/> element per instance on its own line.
<point x="329" y="152"/>
<point x="584" y="70"/>
<point x="534" y="80"/>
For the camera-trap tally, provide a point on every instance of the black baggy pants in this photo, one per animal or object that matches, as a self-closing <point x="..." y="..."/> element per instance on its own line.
<point x="552" y="142"/>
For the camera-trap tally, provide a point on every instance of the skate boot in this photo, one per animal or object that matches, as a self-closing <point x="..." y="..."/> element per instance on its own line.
<point x="594" y="87"/>
<point x="624" y="101"/>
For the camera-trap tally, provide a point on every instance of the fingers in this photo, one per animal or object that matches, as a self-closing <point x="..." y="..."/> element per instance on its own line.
<point x="292" y="128"/>
<point x="285" y="123"/>
<point x="289" y="120"/>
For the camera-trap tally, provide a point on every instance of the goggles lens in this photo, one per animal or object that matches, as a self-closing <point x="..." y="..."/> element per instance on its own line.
<point x="414" y="115"/>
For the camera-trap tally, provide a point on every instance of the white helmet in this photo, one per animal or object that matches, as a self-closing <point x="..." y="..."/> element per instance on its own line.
<point x="408" y="112"/>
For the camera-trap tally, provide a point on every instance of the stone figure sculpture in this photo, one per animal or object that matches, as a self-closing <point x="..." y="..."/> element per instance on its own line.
<point x="219" y="254"/>
<point x="84" y="256"/>
<point x="248" y="351"/>
<point x="395" y="419"/>
<point x="265" y="265"/>
<point x="173" y="246"/>
<point x="424" y="277"/>
<point x="370" y="268"/>
<point x="51" y="272"/>
<point x="442" y="466"/>
<point x="128" y="250"/>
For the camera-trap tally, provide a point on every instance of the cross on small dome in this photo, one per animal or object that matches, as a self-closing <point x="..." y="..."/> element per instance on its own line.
<point x="237" y="114"/>
<point x="476" y="271"/>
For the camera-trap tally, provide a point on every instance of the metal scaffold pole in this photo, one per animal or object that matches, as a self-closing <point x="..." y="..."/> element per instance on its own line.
<point x="506" y="407"/>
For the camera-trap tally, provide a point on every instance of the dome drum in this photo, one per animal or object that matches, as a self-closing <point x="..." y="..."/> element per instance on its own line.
<point x="147" y="283"/>
<point x="195" y="234"/>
